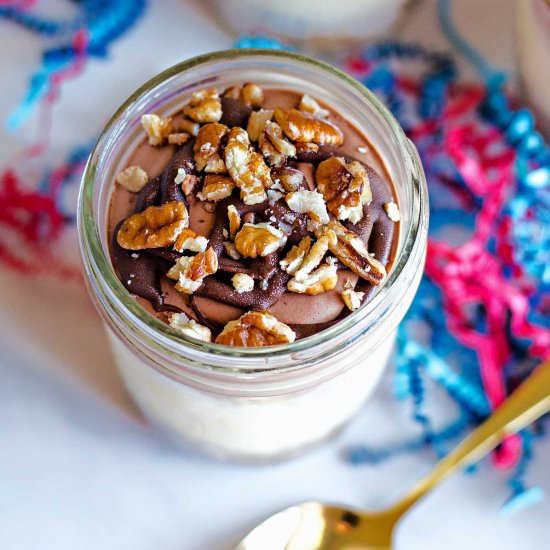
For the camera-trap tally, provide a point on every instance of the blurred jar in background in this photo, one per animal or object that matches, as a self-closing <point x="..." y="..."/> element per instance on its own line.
<point x="533" y="50"/>
<point x="313" y="24"/>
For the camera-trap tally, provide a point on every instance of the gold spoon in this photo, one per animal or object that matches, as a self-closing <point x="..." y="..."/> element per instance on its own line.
<point x="316" y="526"/>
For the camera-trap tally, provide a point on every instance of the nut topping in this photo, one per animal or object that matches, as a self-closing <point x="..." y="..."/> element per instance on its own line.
<point x="321" y="280"/>
<point x="231" y="251"/>
<point x="345" y="187"/>
<point x="234" y="221"/>
<point x="189" y="327"/>
<point x="252" y="95"/>
<point x="133" y="178"/>
<point x="274" y="147"/>
<point x="205" y="106"/>
<point x="305" y="128"/>
<point x="208" y="147"/>
<point x="189" y="126"/>
<point x="189" y="240"/>
<point x="178" y="139"/>
<point x="308" y="202"/>
<point x="255" y="329"/>
<point x="242" y="282"/>
<point x="247" y="169"/>
<point x="190" y="271"/>
<point x="293" y="260"/>
<point x="216" y="188"/>
<point x="315" y="255"/>
<point x="351" y="298"/>
<point x="189" y="183"/>
<point x="156" y="128"/>
<point x="351" y="251"/>
<point x="155" y="227"/>
<point x="392" y="211"/>
<point x="309" y="105"/>
<point x="291" y="179"/>
<point x="257" y="122"/>
<point x="260" y="239"/>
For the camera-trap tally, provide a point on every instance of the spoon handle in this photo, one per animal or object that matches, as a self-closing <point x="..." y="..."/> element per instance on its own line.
<point x="529" y="402"/>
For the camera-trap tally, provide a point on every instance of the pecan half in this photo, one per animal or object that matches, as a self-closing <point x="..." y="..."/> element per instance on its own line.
<point x="352" y="252"/>
<point x="260" y="239"/>
<point x="216" y="188"/>
<point x="247" y="169"/>
<point x="208" y="148"/>
<point x="345" y="187"/>
<point x="255" y="329"/>
<point x="305" y="128"/>
<point x="274" y="147"/>
<point x="205" y="106"/>
<point x="155" y="227"/>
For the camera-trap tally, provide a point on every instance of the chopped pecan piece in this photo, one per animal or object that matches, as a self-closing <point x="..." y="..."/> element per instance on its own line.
<point x="274" y="147"/>
<point x="315" y="255"/>
<point x="189" y="240"/>
<point x="291" y="179"/>
<point x="254" y="329"/>
<point x="351" y="251"/>
<point x="308" y="202"/>
<point x="260" y="239"/>
<point x="242" y="282"/>
<point x="190" y="271"/>
<point x="345" y="187"/>
<point x="231" y="251"/>
<point x="178" y="139"/>
<point x="189" y="183"/>
<point x="189" y="126"/>
<point x="305" y="128"/>
<point x="309" y="105"/>
<point x="234" y="221"/>
<point x="352" y="298"/>
<point x="256" y="123"/>
<point x="252" y="95"/>
<point x="392" y="211"/>
<point x="216" y="188"/>
<point x="133" y="178"/>
<point x="205" y="106"/>
<point x="155" y="227"/>
<point x="247" y="169"/>
<point x="156" y="128"/>
<point x="293" y="260"/>
<point x="208" y="148"/>
<point x="189" y="327"/>
<point x="323" y="279"/>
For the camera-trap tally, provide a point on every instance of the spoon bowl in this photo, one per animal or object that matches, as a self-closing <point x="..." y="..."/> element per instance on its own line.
<point x="316" y="526"/>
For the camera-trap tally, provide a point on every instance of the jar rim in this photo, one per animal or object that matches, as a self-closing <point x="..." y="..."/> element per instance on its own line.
<point x="168" y="339"/>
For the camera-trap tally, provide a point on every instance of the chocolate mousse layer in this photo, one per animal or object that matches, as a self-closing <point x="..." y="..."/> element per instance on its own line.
<point x="251" y="200"/>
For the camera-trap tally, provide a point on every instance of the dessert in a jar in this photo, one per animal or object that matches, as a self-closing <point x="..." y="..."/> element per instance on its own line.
<point x="320" y="24"/>
<point x="533" y="52"/>
<point x="253" y="226"/>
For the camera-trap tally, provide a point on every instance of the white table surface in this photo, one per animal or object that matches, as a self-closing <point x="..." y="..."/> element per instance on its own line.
<point x="79" y="469"/>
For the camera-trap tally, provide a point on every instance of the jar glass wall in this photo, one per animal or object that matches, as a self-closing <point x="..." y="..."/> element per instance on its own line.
<point x="252" y="403"/>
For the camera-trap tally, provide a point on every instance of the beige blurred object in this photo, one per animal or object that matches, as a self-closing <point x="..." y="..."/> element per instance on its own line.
<point x="533" y="51"/>
<point x="314" y="24"/>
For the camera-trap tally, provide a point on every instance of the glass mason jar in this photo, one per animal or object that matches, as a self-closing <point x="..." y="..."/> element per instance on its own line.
<point x="256" y="404"/>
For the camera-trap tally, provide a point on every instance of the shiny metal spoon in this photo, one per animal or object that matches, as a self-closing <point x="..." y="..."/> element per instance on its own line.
<point x="315" y="526"/>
